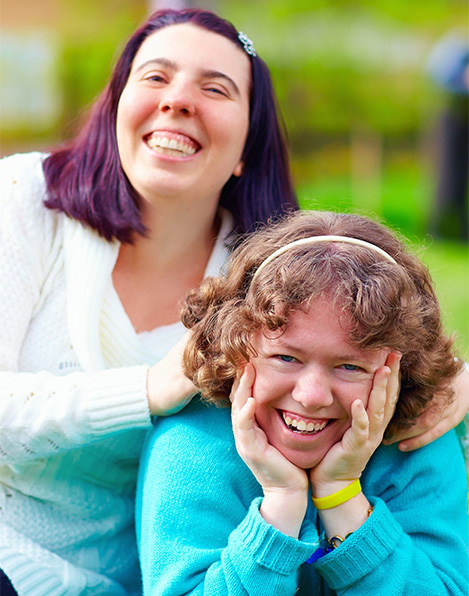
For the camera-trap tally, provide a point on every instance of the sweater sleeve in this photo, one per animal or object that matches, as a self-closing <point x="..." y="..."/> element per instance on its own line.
<point x="198" y="522"/>
<point x="416" y="540"/>
<point x="40" y="413"/>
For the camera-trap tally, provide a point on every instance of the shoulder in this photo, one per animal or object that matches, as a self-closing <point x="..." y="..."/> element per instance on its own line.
<point x="24" y="218"/>
<point x="22" y="171"/>
<point x="23" y="187"/>
<point x="195" y="435"/>
<point x="194" y="451"/>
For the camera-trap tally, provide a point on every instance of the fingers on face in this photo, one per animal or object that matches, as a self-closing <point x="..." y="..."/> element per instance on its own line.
<point x="394" y="382"/>
<point x="245" y="416"/>
<point x="242" y="386"/>
<point x="385" y="390"/>
<point x="378" y="400"/>
<point x="372" y="420"/>
<point x="242" y="389"/>
<point x="393" y="360"/>
<point x="360" y="421"/>
<point x="248" y="443"/>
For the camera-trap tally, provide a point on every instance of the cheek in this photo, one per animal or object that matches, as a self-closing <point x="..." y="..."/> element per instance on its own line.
<point x="133" y="107"/>
<point x="243" y="128"/>
<point x="270" y="389"/>
<point x="232" y="131"/>
<point x="123" y="122"/>
<point x="359" y="391"/>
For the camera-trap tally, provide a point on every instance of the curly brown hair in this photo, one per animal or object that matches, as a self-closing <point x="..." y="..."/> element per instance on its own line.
<point x="390" y="305"/>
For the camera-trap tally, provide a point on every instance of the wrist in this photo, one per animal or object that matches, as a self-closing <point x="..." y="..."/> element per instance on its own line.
<point x="334" y="493"/>
<point x="168" y="390"/>
<point x="285" y="510"/>
<point x="347" y="517"/>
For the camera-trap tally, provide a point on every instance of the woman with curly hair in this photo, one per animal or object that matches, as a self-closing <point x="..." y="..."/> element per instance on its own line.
<point x="305" y="333"/>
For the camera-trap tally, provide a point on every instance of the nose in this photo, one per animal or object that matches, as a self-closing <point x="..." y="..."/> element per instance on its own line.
<point x="313" y="389"/>
<point x="178" y="99"/>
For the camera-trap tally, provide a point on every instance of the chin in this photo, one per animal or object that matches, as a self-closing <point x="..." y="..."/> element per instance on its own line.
<point x="305" y="461"/>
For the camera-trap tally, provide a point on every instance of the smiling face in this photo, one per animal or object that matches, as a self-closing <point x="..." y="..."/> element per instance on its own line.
<point x="183" y="115"/>
<point x="306" y="381"/>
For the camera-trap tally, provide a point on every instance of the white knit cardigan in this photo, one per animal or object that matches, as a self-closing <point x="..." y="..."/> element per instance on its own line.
<point x="73" y="405"/>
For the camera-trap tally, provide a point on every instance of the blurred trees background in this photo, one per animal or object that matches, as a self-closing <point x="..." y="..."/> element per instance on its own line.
<point x="352" y="81"/>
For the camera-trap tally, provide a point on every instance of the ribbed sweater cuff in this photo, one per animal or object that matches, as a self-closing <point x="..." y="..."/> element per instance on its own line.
<point x="116" y="399"/>
<point x="363" y="551"/>
<point x="268" y="546"/>
<point x="29" y="577"/>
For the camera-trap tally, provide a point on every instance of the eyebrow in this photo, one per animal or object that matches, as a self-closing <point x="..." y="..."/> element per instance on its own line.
<point x="298" y="349"/>
<point x="206" y="74"/>
<point x="162" y="61"/>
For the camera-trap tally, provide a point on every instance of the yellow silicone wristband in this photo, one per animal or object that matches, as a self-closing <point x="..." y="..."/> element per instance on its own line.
<point x="341" y="496"/>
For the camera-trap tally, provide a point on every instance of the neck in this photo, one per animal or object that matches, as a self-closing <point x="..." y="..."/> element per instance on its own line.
<point x="174" y="234"/>
<point x="153" y="275"/>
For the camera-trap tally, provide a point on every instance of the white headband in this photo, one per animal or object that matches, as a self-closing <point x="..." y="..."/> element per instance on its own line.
<point x="313" y="240"/>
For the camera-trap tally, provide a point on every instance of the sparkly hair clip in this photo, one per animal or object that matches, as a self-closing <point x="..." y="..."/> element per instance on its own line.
<point x="247" y="43"/>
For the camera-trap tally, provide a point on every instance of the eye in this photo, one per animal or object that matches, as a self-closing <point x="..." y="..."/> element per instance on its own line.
<point x="285" y="358"/>
<point x="216" y="90"/>
<point x="155" y="78"/>
<point x="351" y="367"/>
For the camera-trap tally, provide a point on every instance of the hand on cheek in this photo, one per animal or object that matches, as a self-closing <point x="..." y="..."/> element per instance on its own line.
<point x="346" y="460"/>
<point x="284" y="485"/>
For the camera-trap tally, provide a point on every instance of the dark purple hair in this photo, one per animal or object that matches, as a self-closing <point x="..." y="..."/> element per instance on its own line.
<point x="85" y="179"/>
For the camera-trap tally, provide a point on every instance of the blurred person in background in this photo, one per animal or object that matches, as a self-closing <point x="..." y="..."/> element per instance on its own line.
<point x="448" y="65"/>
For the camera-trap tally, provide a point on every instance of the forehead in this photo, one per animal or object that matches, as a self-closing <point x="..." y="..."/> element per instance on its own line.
<point x="191" y="46"/>
<point x="306" y="323"/>
<point x="322" y="329"/>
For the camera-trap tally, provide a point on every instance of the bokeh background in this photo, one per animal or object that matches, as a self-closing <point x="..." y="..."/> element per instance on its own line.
<point x="373" y="94"/>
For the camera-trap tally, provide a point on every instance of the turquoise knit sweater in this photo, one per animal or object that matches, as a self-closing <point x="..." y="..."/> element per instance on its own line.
<point x="200" y="531"/>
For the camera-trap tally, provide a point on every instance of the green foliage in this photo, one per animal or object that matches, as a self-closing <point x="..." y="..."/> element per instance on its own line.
<point x="90" y="47"/>
<point x="403" y="204"/>
<point x="342" y="62"/>
<point x="449" y="265"/>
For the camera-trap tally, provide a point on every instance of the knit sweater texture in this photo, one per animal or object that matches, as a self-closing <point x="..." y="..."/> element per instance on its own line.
<point x="200" y="532"/>
<point x="73" y="404"/>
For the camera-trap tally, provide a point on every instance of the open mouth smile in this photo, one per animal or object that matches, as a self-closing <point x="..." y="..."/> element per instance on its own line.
<point x="173" y="144"/>
<point x="303" y="426"/>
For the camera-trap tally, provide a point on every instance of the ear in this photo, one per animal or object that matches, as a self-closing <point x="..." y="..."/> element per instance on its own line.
<point x="238" y="169"/>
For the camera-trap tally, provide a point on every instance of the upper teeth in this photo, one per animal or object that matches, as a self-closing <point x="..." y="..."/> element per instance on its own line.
<point x="302" y="426"/>
<point x="163" y="142"/>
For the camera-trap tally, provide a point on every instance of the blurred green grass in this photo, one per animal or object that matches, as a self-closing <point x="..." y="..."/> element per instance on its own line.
<point x="449" y="265"/>
<point x="402" y="200"/>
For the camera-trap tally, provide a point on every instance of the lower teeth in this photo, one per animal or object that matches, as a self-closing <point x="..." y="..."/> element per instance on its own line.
<point x="303" y="432"/>
<point x="168" y="151"/>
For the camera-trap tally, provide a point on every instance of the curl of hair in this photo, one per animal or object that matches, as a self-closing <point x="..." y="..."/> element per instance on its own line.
<point x="85" y="179"/>
<point x="383" y="305"/>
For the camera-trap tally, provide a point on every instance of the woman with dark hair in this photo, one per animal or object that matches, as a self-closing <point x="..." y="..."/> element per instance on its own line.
<point x="306" y="330"/>
<point x="100" y="241"/>
<point x="112" y="206"/>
